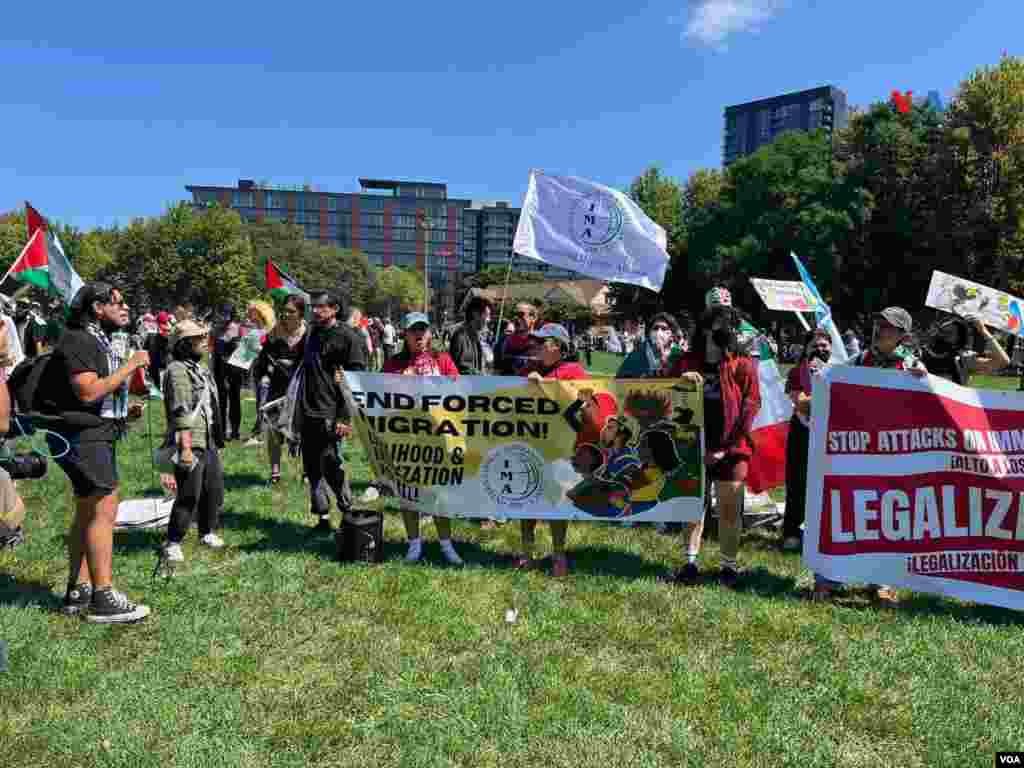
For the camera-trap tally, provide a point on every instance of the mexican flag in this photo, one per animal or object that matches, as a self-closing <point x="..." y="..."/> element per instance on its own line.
<point x="42" y="262"/>
<point x="280" y="285"/>
<point x="770" y="429"/>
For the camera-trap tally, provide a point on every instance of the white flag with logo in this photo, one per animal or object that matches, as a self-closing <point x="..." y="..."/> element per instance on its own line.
<point x="576" y="224"/>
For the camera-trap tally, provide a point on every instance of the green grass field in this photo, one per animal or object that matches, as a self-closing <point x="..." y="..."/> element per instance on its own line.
<point x="270" y="653"/>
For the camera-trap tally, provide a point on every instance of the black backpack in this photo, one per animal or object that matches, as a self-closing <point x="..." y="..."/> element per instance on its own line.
<point x="27" y="396"/>
<point x="35" y="398"/>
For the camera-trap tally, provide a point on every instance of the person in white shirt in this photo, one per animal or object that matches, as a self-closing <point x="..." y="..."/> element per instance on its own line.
<point x="389" y="340"/>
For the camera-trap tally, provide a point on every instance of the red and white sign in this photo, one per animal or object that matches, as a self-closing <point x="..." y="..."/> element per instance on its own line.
<point x="917" y="483"/>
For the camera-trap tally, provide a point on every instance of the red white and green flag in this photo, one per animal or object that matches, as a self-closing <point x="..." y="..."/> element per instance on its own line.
<point x="42" y="262"/>
<point x="280" y="284"/>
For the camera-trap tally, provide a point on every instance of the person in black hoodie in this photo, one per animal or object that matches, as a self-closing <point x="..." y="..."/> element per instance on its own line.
<point x="226" y="336"/>
<point x="322" y="415"/>
<point x="278" y="360"/>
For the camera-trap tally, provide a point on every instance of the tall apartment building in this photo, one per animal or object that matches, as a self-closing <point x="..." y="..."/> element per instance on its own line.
<point x="395" y="223"/>
<point x="756" y="123"/>
<point x="488" y="230"/>
<point x="400" y="223"/>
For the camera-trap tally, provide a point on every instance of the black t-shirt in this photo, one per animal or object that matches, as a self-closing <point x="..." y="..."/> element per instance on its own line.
<point x="714" y="411"/>
<point x="278" y="361"/>
<point x="80" y="352"/>
<point x="327" y="350"/>
<point x="159" y="350"/>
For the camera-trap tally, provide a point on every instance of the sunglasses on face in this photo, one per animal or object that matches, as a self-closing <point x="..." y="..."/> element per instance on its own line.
<point x="660" y="328"/>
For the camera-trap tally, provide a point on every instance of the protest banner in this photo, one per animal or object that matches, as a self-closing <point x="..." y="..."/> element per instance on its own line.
<point x="785" y="295"/>
<point x="963" y="297"/>
<point x="916" y="483"/>
<point x="500" y="447"/>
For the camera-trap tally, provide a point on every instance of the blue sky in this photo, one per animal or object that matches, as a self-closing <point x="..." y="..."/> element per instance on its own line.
<point x="109" y="109"/>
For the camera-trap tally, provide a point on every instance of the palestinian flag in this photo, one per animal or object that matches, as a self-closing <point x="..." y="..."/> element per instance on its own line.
<point x="42" y="262"/>
<point x="33" y="264"/>
<point x="280" y="284"/>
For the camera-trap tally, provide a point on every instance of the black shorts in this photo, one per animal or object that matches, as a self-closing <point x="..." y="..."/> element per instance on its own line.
<point x="91" y="467"/>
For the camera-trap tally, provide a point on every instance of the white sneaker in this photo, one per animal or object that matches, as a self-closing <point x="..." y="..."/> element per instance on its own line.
<point x="173" y="553"/>
<point x="448" y="550"/>
<point x="415" y="551"/>
<point x="212" y="540"/>
<point x="253" y="441"/>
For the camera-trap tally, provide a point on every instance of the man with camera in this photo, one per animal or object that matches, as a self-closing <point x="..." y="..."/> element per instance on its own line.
<point x="89" y="375"/>
<point x="12" y="508"/>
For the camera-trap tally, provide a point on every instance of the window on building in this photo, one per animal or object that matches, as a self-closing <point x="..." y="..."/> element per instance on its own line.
<point x="332" y="203"/>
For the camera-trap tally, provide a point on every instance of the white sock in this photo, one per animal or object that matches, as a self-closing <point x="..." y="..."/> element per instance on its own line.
<point x="691" y="557"/>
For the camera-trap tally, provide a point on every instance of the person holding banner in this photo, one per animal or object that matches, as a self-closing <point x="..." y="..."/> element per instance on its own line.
<point x="278" y="360"/>
<point x="418" y="358"/>
<point x="550" y="351"/>
<point x="513" y="350"/>
<point x="732" y="397"/>
<point x="948" y="354"/>
<point x="816" y="355"/>
<point x="892" y="329"/>
<point x="466" y="344"/>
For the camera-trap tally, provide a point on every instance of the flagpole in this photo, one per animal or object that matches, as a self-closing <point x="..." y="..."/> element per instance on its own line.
<point x="504" y="295"/>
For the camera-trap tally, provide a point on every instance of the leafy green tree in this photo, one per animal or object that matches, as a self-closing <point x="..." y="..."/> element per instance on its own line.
<point x="398" y="290"/>
<point x="312" y="264"/>
<point x="661" y="198"/>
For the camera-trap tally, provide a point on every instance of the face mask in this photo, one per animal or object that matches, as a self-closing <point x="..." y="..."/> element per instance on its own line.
<point x="819" y="354"/>
<point x="660" y="339"/>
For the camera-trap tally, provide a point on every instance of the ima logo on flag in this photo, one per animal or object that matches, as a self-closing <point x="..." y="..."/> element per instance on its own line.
<point x="596" y="221"/>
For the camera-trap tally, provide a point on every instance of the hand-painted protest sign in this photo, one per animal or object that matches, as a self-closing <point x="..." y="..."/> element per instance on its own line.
<point x="965" y="298"/>
<point x="485" y="446"/>
<point x="785" y="295"/>
<point x="247" y="351"/>
<point x="917" y="483"/>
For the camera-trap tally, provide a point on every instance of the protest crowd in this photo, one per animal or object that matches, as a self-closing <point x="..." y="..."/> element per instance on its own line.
<point x="294" y="357"/>
<point x="499" y="418"/>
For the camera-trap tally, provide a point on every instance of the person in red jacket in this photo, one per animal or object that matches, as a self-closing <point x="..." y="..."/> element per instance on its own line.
<point x="732" y="398"/>
<point x="549" y="353"/>
<point x="418" y="358"/>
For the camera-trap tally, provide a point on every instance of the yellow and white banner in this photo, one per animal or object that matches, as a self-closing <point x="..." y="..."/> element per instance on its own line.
<point x="487" y="446"/>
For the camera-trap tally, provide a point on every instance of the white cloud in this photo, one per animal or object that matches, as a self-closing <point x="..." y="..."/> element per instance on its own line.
<point x="711" y="22"/>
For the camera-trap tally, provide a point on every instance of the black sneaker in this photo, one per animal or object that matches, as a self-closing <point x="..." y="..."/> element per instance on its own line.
<point x="728" y="577"/>
<point x="688" y="575"/>
<point x="322" y="528"/>
<point x="11" y="537"/>
<point x="112" y="607"/>
<point x="77" y="599"/>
